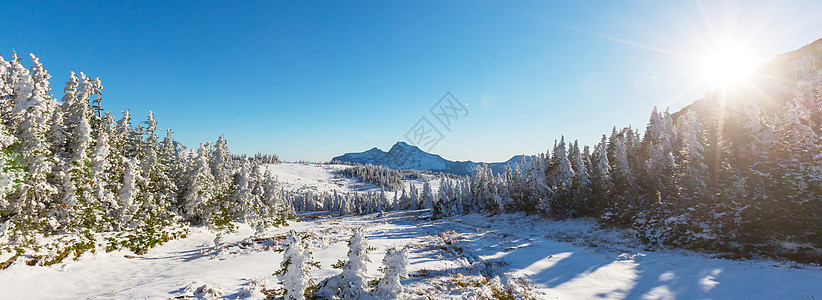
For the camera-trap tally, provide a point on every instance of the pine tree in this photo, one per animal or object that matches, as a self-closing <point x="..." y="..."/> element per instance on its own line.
<point x="198" y="193"/>
<point x="219" y="163"/>
<point x="100" y="178"/>
<point x="77" y="200"/>
<point x="33" y="108"/>
<point x="294" y="270"/>
<point x="561" y="205"/>
<point x="581" y="182"/>
<point x="427" y="197"/>
<point x="394" y="267"/>
<point x="619" y="210"/>
<point x="11" y="176"/>
<point x="128" y="201"/>
<point x="352" y="279"/>
<point x="159" y="190"/>
<point x="6" y="91"/>
<point x="656" y="158"/>
<point x="601" y="177"/>
<point x="413" y="199"/>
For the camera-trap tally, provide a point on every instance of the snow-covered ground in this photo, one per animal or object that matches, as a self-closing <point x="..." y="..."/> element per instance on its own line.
<point x="302" y="177"/>
<point x="314" y="177"/>
<point x="461" y="257"/>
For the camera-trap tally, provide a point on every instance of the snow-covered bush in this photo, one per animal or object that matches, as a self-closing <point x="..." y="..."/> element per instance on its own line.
<point x="351" y="283"/>
<point x="294" y="271"/>
<point x="352" y="279"/>
<point x="394" y="268"/>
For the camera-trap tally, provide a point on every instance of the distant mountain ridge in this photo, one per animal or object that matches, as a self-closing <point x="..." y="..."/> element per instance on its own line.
<point x="403" y="156"/>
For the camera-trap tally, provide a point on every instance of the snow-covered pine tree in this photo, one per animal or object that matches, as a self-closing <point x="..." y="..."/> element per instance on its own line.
<point x="6" y="91"/>
<point x="656" y="174"/>
<point x="536" y="185"/>
<point x="502" y="195"/>
<point x="562" y="176"/>
<point x="413" y="198"/>
<point x="581" y="182"/>
<point x="220" y="168"/>
<point x="402" y="201"/>
<point x="278" y="210"/>
<point x="11" y="175"/>
<point x="100" y="177"/>
<point x="119" y="135"/>
<point x="440" y="208"/>
<point x="128" y="198"/>
<point x="77" y="200"/>
<point x="175" y="162"/>
<point x="353" y="278"/>
<point x="29" y="118"/>
<point x="516" y="186"/>
<point x="295" y="267"/>
<point x="394" y="268"/>
<point x="480" y="182"/>
<point x="427" y="200"/>
<point x="618" y="210"/>
<point x="124" y="132"/>
<point x="243" y="197"/>
<point x="601" y="177"/>
<point x="158" y="191"/>
<point x="198" y="192"/>
<point x="693" y="171"/>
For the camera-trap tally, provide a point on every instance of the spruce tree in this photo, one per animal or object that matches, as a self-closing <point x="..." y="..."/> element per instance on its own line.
<point x="33" y="108"/>
<point x="394" y="268"/>
<point x="295" y="267"/>
<point x="353" y="278"/>
<point x="198" y="191"/>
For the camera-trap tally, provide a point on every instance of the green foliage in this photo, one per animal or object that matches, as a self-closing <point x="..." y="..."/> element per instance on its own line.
<point x="143" y="239"/>
<point x="339" y="264"/>
<point x="11" y="260"/>
<point x="13" y="161"/>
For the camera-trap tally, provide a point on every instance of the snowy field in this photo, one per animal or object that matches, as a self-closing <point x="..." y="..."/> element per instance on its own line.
<point x="321" y="178"/>
<point x="463" y="257"/>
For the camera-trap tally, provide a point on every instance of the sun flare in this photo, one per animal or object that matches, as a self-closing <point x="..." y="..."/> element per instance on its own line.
<point x="727" y="66"/>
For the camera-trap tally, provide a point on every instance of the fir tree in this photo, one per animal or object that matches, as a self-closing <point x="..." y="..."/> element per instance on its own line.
<point x="198" y="194"/>
<point x="352" y="279"/>
<point x="394" y="268"/>
<point x="294" y="270"/>
<point x="33" y="107"/>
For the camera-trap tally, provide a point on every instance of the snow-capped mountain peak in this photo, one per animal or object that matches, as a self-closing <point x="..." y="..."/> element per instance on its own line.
<point x="403" y="156"/>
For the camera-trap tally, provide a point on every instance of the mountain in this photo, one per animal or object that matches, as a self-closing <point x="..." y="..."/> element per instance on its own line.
<point x="403" y="156"/>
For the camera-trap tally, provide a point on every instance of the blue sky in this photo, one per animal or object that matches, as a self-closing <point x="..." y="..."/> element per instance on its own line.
<point x="314" y="79"/>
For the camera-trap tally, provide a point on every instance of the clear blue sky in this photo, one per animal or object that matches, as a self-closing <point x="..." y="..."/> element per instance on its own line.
<point x="312" y="80"/>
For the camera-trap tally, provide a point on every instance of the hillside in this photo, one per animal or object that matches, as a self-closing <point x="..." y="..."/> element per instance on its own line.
<point x="768" y="81"/>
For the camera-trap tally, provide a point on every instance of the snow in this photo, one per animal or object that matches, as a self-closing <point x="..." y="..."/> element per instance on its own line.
<point x="301" y="177"/>
<point x="566" y="260"/>
<point x="314" y="177"/>
<point x="460" y="257"/>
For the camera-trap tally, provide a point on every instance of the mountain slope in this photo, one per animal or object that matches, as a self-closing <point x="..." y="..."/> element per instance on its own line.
<point x="403" y="156"/>
<point x="768" y="81"/>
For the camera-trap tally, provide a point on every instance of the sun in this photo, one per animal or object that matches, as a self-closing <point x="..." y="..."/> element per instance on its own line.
<point x="728" y="66"/>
